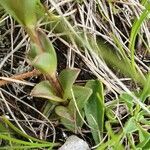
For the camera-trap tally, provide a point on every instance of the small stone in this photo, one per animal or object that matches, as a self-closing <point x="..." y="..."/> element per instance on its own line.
<point x="74" y="143"/>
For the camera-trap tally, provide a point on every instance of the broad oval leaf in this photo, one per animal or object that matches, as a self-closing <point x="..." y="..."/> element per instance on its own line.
<point x="81" y="95"/>
<point x="94" y="109"/>
<point x="63" y="112"/>
<point x="45" y="90"/>
<point x="46" y="63"/>
<point x="24" y="11"/>
<point x="66" y="118"/>
<point x="67" y="77"/>
<point x="43" y="56"/>
<point x="70" y="117"/>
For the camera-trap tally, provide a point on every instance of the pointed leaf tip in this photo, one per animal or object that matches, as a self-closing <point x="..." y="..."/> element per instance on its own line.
<point x="67" y="77"/>
<point x="45" y="90"/>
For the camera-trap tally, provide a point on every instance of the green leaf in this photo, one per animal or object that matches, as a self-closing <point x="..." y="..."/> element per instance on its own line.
<point x="48" y="108"/>
<point x="79" y="99"/>
<point x="63" y="112"/>
<point x="67" y="77"/>
<point x="130" y="126"/>
<point x="45" y="63"/>
<point x="66" y="119"/>
<point x="144" y="137"/>
<point x="26" y="147"/>
<point x="3" y="129"/>
<point x="128" y="100"/>
<point x="146" y="90"/>
<point x="94" y="109"/>
<point x="14" y="140"/>
<point x="43" y="56"/>
<point x="110" y="115"/>
<point x="34" y="51"/>
<point x="135" y="30"/>
<point x="24" y="11"/>
<point x="142" y="117"/>
<point x="19" y="132"/>
<point x="81" y="95"/>
<point x="46" y="44"/>
<point x="114" y="140"/>
<point x="45" y="90"/>
<point x="70" y="117"/>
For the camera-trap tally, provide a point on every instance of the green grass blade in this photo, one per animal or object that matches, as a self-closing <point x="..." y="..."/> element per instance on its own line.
<point x="4" y="137"/>
<point x="21" y="133"/>
<point x="135" y="29"/>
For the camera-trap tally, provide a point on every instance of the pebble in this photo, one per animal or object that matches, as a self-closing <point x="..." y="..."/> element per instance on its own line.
<point x="74" y="143"/>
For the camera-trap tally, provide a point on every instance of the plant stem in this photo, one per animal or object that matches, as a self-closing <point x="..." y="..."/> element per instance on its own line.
<point x="34" y="36"/>
<point x="55" y="82"/>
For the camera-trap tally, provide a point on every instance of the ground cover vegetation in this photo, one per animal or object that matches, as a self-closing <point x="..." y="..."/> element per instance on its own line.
<point x="74" y="67"/>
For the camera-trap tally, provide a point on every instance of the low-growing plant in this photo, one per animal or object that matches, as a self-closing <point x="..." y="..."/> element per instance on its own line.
<point x="71" y="103"/>
<point x="66" y="99"/>
<point x="136" y="125"/>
